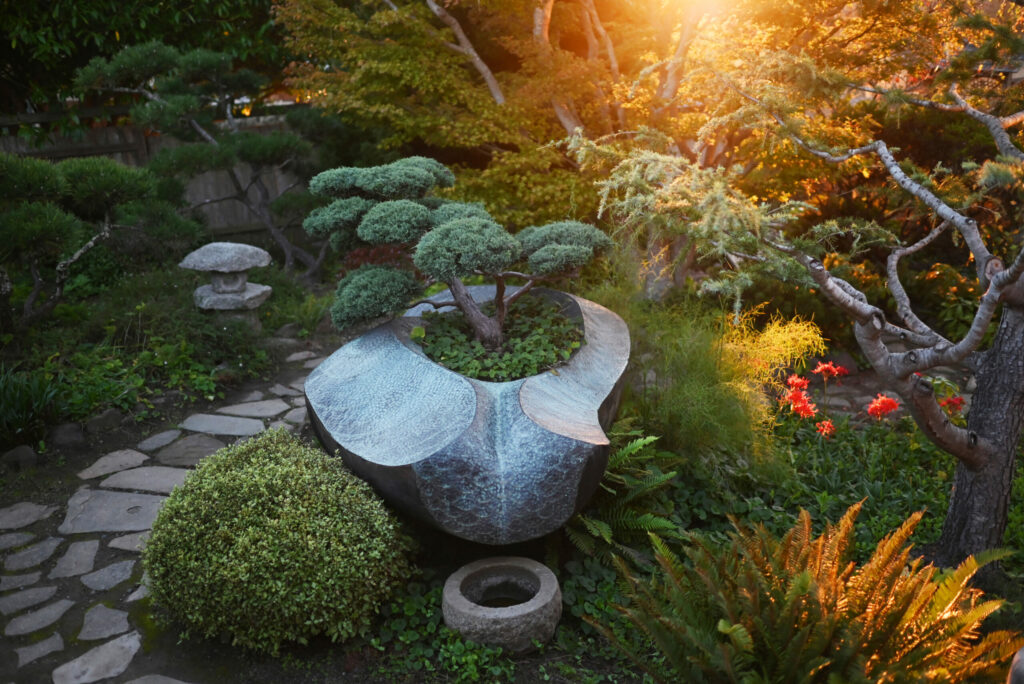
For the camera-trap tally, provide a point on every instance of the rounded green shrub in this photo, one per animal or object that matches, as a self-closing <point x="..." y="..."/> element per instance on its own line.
<point x="394" y="221"/>
<point x="371" y="291"/>
<point x="271" y="541"/>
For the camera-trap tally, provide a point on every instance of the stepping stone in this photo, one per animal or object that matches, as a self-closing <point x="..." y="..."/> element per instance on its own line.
<point x="280" y="424"/>
<point x="113" y="462"/>
<point x="300" y="356"/>
<point x="161" y="439"/>
<point x="256" y="409"/>
<point x="102" y="622"/>
<point x="299" y="401"/>
<point x="155" y="679"/>
<point x="160" y="479"/>
<point x="255" y="395"/>
<point x="23" y="514"/>
<point x="110" y="576"/>
<point x="313" y="363"/>
<point x="78" y="559"/>
<point x="130" y="542"/>
<point x="32" y="556"/>
<point x="97" y="510"/>
<point x="189" y="451"/>
<point x="38" y="619"/>
<point x="37" y="650"/>
<point x="299" y="384"/>
<point x="140" y="593"/>
<point x="14" y="603"/>
<point x="13" y="539"/>
<point x="103" y="662"/>
<point x="282" y="391"/>
<point x="8" y="582"/>
<point x="296" y="415"/>
<point x="223" y="425"/>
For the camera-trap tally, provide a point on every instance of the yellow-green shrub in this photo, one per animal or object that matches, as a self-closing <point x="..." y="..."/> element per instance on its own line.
<point x="271" y="541"/>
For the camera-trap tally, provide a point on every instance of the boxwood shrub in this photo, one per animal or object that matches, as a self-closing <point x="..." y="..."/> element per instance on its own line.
<point x="271" y="541"/>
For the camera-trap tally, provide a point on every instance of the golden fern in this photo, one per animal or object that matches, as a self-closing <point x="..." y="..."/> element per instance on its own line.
<point x="797" y="610"/>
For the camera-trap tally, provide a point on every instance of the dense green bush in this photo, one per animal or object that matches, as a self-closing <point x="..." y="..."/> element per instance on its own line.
<point x="271" y="541"/>
<point x="791" y="610"/>
<point x="28" y="402"/>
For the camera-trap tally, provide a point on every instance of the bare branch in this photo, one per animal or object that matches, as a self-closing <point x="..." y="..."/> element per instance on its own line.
<point x="468" y="50"/>
<point x="214" y="201"/>
<point x="994" y="125"/>
<point x="674" y="70"/>
<point x="903" y="306"/>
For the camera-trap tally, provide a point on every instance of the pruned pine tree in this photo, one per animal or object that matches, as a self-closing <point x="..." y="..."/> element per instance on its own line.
<point x="391" y="204"/>
<point x="197" y="97"/>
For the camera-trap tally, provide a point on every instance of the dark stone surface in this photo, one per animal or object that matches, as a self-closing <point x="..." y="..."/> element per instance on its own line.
<point x="67" y="435"/>
<point x="21" y="457"/>
<point x="496" y="463"/>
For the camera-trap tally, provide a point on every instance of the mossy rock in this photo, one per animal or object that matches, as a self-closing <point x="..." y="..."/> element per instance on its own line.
<point x="272" y="541"/>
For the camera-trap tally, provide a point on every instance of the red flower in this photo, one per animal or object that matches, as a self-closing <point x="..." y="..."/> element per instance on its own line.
<point x="830" y="370"/>
<point x="881" y="405"/>
<point x="825" y="428"/>
<point x="953" y="404"/>
<point x="797" y="396"/>
<point x="796" y="382"/>
<point x="804" y="409"/>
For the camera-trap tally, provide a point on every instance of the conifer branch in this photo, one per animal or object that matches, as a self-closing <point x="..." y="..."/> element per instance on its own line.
<point x="468" y="50"/>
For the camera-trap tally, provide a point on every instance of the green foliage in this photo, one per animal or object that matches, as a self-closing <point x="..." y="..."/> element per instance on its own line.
<point x="538" y="338"/>
<point x="450" y="211"/>
<point x="417" y="645"/>
<point x="633" y="501"/>
<point x="95" y="186"/>
<point x="271" y="541"/>
<point x="394" y="221"/>
<point x="464" y="246"/>
<point x="30" y="403"/>
<point x="370" y="292"/>
<point x="795" y="609"/>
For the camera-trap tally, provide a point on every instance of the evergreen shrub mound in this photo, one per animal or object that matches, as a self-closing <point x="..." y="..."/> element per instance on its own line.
<point x="271" y="541"/>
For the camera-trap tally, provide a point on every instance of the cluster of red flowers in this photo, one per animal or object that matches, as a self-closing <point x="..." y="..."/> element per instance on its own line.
<point x="830" y="370"/>
<point x="953" y="405"/>
<point x="800" y="403"/>
<point x="882" y="405"/>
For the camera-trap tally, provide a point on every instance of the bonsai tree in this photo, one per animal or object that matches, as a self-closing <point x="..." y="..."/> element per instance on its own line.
<point x="198" y="97"/>
<point x="53" y="215"/>
<point x="447" y="240"/>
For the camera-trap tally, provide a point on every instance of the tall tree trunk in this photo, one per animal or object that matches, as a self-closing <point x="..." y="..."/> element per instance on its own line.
<point x="978" y="505"/>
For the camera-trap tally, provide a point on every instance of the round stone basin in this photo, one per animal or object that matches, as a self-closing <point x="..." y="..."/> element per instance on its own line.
<point x="491" y="462"/>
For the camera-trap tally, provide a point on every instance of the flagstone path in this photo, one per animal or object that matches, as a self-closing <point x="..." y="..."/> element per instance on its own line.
<point x="70" y="576"/>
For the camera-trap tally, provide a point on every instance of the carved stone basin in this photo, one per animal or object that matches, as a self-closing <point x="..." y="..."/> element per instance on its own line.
<point x="491" y="462"/>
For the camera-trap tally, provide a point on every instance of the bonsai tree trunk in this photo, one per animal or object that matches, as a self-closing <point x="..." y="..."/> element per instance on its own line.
<point x="979" y="503"/>
<point x="486" y="329"/>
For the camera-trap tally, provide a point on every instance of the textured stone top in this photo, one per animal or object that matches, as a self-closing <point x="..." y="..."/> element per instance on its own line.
<point x="225" y="257"/>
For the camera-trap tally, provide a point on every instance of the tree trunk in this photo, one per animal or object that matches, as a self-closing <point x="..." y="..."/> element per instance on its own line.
<point x="485" y="329"/>
<point x="979" y="502"/>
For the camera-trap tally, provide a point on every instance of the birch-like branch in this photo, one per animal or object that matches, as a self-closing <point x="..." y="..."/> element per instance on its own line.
<point x="994" y="124"/>
<point x="541" y="36"/>
<point x="466" y="48"/>
<point x="672" y="76"/>
<point x="903" y="305"/>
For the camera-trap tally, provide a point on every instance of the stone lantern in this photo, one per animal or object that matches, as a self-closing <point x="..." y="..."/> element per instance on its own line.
<point x="227" y="263"/>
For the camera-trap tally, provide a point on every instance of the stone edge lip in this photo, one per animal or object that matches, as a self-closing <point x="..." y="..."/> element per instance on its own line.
<point x="565" y="404"/>
<point x="211" y="257"/>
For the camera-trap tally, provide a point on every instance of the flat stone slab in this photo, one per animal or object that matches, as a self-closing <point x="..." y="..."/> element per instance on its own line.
<point x="13" y="539"/>
<point x="8" y="582"/>
<point x="223" y="425"/>
<point x="160" y="439"/>
<point x="77" y="560"/>
<point x="160" y="479"/>
<point x="300" y="356"/>
<point x="299" y="385"/>
<point x="110" y="576"/>
<point x="103" y="662"/>
<point x="37" y="650"/>
<point x="113" y="462"/>
<point x="19" y="601"/>
<point x="156" y="679"/>
<point x="313" y="363"/>
<point x="141" y="592"/>
<point x="38" y="619"/>
<point x="282" y="391"/>
<point x="189" y="451"/>
<point x="102" y="622"/>
<point x="23" y="514"/>
<point x="296" y="415"/>
<point x="130" y="542"/>
<point x="255" y="395"/>
<point x="32" y="556"/>
<point x="256" y="409"/>
<point x="98" y="510"/>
